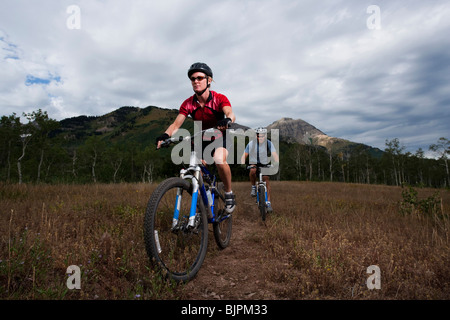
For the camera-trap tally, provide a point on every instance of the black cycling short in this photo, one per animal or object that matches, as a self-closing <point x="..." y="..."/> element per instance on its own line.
<point x="226" y="141"/>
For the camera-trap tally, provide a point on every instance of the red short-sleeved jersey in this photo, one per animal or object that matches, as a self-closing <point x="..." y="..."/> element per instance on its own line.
<point x="210" y="114"/>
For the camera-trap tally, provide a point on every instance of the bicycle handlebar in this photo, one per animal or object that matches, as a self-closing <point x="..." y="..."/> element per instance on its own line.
<point x="260" y="165"/>
<point x="166" y="143"/>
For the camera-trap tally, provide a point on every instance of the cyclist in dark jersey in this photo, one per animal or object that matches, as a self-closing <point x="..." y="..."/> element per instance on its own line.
<point x="213" y="110"/>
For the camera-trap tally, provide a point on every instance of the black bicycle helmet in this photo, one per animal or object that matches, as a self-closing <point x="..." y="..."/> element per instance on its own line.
<point x="200" y="67"/>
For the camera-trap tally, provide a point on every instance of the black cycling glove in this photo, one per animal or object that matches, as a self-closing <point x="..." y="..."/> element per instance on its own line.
<point x="224" y="122"/>
<point x="162" y="137"/>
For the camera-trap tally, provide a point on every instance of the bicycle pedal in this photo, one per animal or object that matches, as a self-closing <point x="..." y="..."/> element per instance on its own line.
<point x="175" y="229"/>
<point x="191" y="229"/>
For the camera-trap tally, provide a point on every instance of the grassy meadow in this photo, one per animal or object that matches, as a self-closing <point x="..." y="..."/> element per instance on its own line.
<point x="317" y="244"/>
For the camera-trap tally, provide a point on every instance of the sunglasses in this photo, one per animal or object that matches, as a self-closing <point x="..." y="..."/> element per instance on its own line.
<point x="200" y="78"/>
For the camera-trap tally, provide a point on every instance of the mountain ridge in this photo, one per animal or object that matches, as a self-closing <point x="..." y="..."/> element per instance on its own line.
<point x="299" y="131"/>
<point x="145" y="124"/>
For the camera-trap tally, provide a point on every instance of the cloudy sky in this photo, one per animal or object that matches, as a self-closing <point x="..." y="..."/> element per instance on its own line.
<point x="366" y="71"/>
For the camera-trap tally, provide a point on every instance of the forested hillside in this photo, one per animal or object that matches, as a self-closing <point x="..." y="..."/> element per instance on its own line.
<point x="120" y="147"/>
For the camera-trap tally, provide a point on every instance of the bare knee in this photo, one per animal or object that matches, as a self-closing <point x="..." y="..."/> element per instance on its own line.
<point x="220" y="157"/>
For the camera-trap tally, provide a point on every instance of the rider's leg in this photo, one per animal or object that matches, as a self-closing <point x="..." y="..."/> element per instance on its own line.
<point x="266" y="180"/>
<point x="220" y="159"/>
<point x="252" y="176"/>
<point x="269" y="204"/>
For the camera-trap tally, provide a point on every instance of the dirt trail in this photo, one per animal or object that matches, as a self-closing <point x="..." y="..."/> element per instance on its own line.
<point x="239" y="271"/>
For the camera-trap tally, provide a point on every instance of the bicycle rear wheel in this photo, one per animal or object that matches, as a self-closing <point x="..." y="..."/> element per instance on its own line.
<point x="262" y="202"/>
<point x="179" y="252"/>
<point x="223" y="224"/>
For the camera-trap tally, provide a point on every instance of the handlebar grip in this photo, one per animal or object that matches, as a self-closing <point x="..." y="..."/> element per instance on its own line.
<point x="166" y="143"/>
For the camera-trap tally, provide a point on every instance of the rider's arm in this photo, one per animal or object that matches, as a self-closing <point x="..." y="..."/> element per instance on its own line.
<point x="275" y="156"/>
<point x="273" y="151"/>
<point x="229" y="113"/>
<point x="179" y="120"/>
<point x="224" y="106"/>
<point x="244" y="157"/>
<point x="229" y="118"/>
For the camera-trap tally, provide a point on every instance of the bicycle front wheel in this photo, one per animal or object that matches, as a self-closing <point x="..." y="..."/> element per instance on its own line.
<point x="262" y="202"/>
<point x="180" y="250"/>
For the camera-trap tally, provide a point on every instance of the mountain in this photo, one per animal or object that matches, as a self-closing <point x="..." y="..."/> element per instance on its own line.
<point x="296" y="130"/>
<point x="143" y="125"/>
<point x="300" y="131"/>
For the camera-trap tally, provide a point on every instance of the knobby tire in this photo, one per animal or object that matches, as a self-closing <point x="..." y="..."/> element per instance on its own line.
<point x="222" y="227"/>
<point x="262" y="202"/>
<point x="179" y="255"/>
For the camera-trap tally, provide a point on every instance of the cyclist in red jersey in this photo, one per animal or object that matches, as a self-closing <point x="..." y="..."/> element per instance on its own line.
<point x="214" y="110"/>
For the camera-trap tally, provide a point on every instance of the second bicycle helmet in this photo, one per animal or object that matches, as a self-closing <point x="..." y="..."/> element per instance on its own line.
<point x="261" y="130"/>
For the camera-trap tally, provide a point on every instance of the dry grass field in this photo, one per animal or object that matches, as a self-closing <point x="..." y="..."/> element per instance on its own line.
<point x="317" y="244"/>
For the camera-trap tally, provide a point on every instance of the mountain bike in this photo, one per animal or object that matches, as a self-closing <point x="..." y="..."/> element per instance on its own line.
<point x="177" y="217"/>
<point x="261" y="189"/>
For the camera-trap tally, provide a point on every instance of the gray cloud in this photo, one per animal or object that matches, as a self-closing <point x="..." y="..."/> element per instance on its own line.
<point x="312" y="60"/>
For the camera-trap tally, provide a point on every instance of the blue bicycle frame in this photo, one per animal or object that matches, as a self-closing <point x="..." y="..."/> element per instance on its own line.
<point x="257" y="194"/>
<point x="259" y="182"/>
<point x="195" y="172"/>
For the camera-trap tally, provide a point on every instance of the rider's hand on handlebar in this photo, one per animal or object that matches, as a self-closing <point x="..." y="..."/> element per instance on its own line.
<point x="223" y="124"/>
<point x="160" y="139"/>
